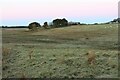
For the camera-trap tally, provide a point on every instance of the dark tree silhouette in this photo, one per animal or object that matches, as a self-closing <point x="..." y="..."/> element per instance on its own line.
<point x="56" y="22"/>
<point x="34" y="25"/>
<point x="51" y="24"/>
<point x="60" y="22"/>
<point x="64" y="22"/>
<point x="45" y="25"/>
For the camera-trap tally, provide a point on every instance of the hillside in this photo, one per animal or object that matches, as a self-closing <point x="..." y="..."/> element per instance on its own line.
<point x="61" y="52"/>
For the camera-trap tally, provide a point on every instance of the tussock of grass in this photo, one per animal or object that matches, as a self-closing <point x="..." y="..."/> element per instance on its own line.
<point x="6" y="51"/>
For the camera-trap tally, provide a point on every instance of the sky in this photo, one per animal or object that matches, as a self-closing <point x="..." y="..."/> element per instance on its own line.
<point x="23" y="12"/>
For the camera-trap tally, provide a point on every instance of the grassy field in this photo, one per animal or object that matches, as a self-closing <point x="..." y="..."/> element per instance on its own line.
<point x="61" y="52"/>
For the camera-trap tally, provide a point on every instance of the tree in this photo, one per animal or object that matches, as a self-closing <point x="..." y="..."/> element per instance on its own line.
<point x="57" y="23"/>
<point x="34" y="25"/>
<point x="60" y="22"/>
<point x="95" y="23"/>
<point x="45" y="25"/>
<point x="64" y="22"/>
<point x="50" y="24"/>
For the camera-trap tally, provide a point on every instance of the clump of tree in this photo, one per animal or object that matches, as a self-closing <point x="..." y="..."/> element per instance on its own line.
<point x="45" y="25"/>
<point x="60" y="22"/>
<point x="4" y="26"/>
<point x="50" y="24"/>
<point x="56" y="23"/>
<point x="95" y="23"/>
<point x="34" y="26"/>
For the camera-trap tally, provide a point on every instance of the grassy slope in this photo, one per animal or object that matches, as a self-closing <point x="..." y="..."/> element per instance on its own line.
<point x="61" y="52"/>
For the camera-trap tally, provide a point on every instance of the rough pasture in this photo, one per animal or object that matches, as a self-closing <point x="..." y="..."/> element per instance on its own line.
<point x="61" y="52"/>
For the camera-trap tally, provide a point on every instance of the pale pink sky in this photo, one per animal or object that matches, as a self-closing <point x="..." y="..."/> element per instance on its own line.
<point x="21" y="12"/>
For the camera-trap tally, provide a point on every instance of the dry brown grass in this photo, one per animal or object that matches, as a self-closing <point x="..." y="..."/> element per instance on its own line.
<point x="30" y="54"/>
<point x="91" y="57"/>
<point x="6" y="51"/>
<point x="23" y="76"/>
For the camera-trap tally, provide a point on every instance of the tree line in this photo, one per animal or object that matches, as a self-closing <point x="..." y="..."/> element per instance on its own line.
<point x="54" y="24"/>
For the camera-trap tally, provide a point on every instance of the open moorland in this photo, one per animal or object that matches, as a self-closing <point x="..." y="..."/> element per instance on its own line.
<point x="61" y="52"/>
